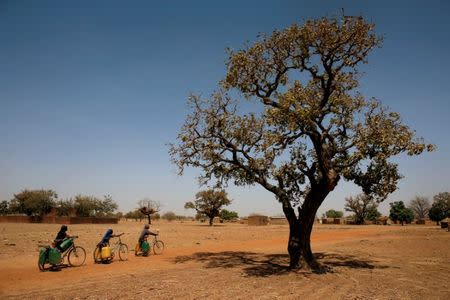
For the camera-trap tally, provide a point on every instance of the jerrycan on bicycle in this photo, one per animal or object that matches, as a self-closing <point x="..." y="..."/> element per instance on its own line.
<point x="50" y="255"/>
<point x="106" y="252"/>
<point x="66" y="244"/>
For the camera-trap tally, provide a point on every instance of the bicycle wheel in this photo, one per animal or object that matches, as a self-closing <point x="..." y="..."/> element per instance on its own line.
<point x="77" y="256"/>
<point x="43" y="266"/>
<point x="123" y="252"/>
<point x="158" y="247"/>
<point x="97" y="255"/>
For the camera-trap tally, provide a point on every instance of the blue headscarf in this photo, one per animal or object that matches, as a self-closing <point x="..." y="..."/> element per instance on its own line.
<point x="107" y="236"/>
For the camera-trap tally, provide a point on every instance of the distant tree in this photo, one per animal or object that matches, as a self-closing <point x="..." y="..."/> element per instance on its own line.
<point x="149" y="207"/>
<point x="331" y="213"/>
<point x="209" y="202"/>
<point x="4" y="207"/>
<point x="106" y="207"/>
<point x="90" y="206"/>
<point x="134" y="214"/>
<point x="361" y="206"/>
<point x="420" y="206"/>
<point x="228" y="215"/>
<point x="373" y="214"/>
<point x="308" y="125"/>
<point x="169" y="216"/>
<point x="119" y="215"/>
<point x="399" y="212"/>
<point x="85" y="206"/>
<point x="33" y="202"/>
<point x="200" y="217"/>
<point x="64" y="207"/>
<point x="440" y="209"/>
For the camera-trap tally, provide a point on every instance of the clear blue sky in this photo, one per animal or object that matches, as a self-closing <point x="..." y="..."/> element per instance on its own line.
<point x="92" y="91"/>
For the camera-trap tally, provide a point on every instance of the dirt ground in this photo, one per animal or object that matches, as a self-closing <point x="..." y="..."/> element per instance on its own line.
<point x="234" y="261"/>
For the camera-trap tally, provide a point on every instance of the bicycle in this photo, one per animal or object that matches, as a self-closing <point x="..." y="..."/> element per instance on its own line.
<point x="50" y="256"/>
<point x="118" y="246"/>
<point x="144" y="250"/>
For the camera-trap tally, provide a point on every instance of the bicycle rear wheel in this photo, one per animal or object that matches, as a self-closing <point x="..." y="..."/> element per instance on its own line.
<point x="158" y="247"/>
<point x="123" y="252"/>
<point x="77" y="256"/>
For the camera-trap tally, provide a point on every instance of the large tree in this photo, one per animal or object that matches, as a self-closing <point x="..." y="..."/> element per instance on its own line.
<point x="209" y="203"/>
<point x="420" y="206"/>
<point x="310" y="127"/>
<point x="440" y="209"/>
<point x="33" y="202"/>
<point x="399" y="212"/>
<point x="90" y="206"/>
<point x="362" y="206"/>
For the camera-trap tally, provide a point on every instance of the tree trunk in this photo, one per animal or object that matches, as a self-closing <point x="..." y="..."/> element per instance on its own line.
<point x="300" y="228"/>
<point x="211" y="220"/>
<point x="300" y="242"/>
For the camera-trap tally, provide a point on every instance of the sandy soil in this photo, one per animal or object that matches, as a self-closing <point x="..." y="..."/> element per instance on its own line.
<point x="234" y="261"/>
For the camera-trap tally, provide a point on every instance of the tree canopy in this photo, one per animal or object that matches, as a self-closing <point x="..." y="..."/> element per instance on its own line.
<point x="420" y="206"/>
<point x="399" y="212"/>
<point x="331" y="213"/>
<point x="209" y="203"/>
<point x="33" y="202"/>
<point x="228" y="215"/>
<point x="362" y="206"/>
<point x="90" y="206"/>
<point x="440" y="209"/>
<point x="306" y="125"/>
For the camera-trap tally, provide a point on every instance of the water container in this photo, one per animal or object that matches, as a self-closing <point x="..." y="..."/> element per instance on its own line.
<point x="66" y="244"/>
<point x="145" y="246"/>
<point x="54" y="256"/>
<point x="106" y="252"/>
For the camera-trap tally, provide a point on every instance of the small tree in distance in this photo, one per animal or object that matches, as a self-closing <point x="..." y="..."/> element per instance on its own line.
<point x="149" y="207"/>
<point x="33" y="202"/>
<point x="4" y="207"/>
<point x="228" y="215"/>
<point x="361" y="206"/>
<point x="169" y="216"/>
<point x="209" y="202"/>
<point x="440" y="208"/>
<point x="399" y="212"/>
<point x="420" y="206"/>
<point x="331" y="213"/>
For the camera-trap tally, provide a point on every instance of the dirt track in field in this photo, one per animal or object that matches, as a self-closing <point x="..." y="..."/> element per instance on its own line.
<point x="234" y="260"/>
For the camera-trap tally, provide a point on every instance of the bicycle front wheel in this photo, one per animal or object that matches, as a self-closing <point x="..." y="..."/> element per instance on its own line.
<point x="77" y="256"/>
<point x="158" y="247"/>
<point x="123" y="252"/>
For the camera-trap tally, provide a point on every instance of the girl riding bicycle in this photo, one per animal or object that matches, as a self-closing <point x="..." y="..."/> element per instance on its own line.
<point x="60" y="237"/>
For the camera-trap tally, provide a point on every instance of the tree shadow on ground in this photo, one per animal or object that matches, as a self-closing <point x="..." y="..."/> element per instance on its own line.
<point x="264" y="265"/>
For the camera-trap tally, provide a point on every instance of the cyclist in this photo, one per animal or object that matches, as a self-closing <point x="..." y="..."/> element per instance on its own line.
<point x="61" y="236"/>
<point x="105" y="240"/>
<point x="144" y="234"/>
